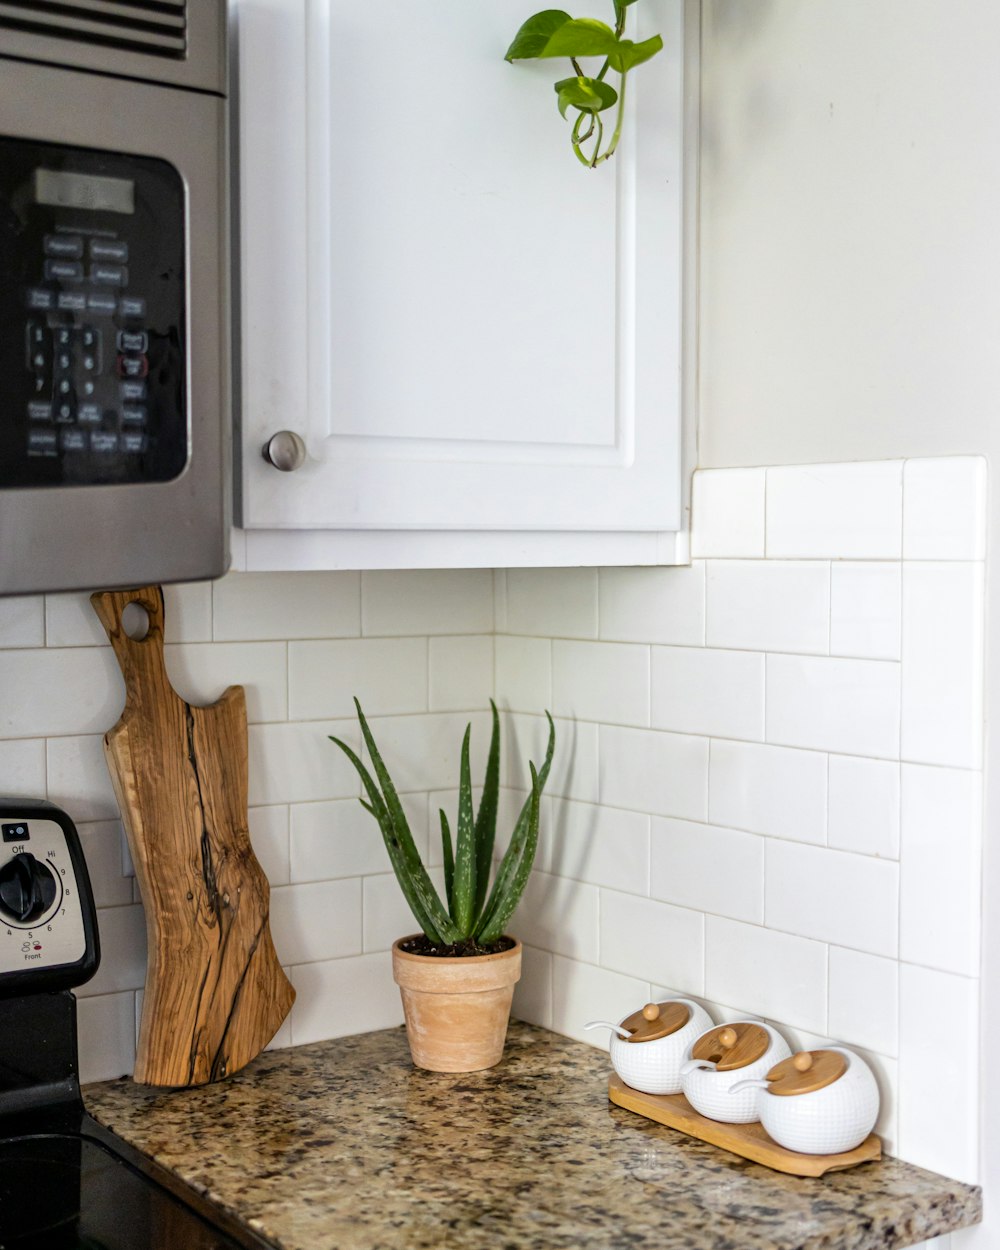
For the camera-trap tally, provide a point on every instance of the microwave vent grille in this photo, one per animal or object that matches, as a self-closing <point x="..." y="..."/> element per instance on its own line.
<point x="153" y="27"/>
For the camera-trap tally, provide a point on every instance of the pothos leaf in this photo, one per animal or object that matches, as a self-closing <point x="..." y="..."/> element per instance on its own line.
<point x="628" y="54"/>
<point x="589" y="95"/>
<point x="581" y="36"/>
<point x="536" y="32"/>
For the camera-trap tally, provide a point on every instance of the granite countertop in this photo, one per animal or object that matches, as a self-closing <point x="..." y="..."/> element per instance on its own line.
<point x="343" y="1145"/>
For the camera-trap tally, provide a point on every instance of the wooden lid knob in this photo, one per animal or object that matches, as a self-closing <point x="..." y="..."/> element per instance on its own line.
<point x="803" y="1061"/>
<point x="731" y="1046"/>
<point x="807" y="1071"/>
<point x="656" y="1020"/>
<point x="651" y="1011"/>
<point x="727" y="1038"/>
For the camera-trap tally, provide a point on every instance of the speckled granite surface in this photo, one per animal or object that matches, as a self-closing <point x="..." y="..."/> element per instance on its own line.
<point x="343" y="1145"/>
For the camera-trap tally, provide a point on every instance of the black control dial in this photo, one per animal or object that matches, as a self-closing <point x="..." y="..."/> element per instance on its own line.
<point x="27" y="888"/>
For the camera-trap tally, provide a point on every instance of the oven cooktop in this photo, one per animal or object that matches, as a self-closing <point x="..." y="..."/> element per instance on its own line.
<point x="66" y="1182"/>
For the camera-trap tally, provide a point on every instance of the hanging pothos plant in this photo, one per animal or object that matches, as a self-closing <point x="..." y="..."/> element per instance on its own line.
<point x="554" y="33"/>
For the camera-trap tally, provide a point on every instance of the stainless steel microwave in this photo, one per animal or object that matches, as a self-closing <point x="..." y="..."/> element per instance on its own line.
<point x="114" y="294"/>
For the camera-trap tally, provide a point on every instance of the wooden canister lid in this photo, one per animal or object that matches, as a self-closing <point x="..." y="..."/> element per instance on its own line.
<point x="807" y="1071"/>
<point x="656" y="1020"/>
<point x="731" y="1045"/>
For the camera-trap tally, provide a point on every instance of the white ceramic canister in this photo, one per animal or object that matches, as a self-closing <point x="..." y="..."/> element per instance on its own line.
<point x="818" y="1102"/>
<point x="717" y="1059"/>
<point x="647" y="1047"/>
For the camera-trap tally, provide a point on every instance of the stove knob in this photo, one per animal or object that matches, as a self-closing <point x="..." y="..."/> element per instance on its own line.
<point x="27" y="888"/>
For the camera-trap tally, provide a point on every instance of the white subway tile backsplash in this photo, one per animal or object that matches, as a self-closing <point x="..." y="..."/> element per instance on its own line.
<point x="653" y="605"/>
<point x="461" y="673"/>
<point x="727" y="513"/>
<point x="768" y="605"/>
<point x="263" y="606"/>
<point x="438" y="601"/>
<point x="200" y="672"/>
<point x="852" y="900"/>
<point x="63" y="691"/>
<point x="603" y="845"/>
<point x="944" y="509"/>
<point x="849" y="706"/>
<point x="106" y="1031"/>
<point x="22" y="621"/>
<point x="70" y="620"/>
<point x="775" y="975"/>
<point x="864" y="806"/>
<point x="835" y="511"/>
<point x="647" y="771"/>
<point x="864" y="1000"/>
<point x="574" y="763"/>
<point x="123" y="952"/>
<point x="523" y="681"/>
<point x="559" y="915"/>
<point x="553" y="603"/>
<point x="654" y="941"/>
<point x="774" y="790"/>
<point x="939" y="1071"/>
<point x="316" y="921"/>
<point x="386" y="913"/>
<point x="582" y="992"/>
<point x="940" y="872"/>
<point x="341" y="839"/>
<point x="865" y="610"/>
<point x="701" y="691"/>
<point x="533" y="993"/>
<point x="601" y="681"/>
<point x="424" y="752"/>
<point x="720" y="871"/>
<point x="22" y="767"/>
<point x="943" y="619"/>
<point x="343" y="996"/>
<point x="78" y="777"/>
<point x="296" y="763"/>
<point x="387" y="675"/>
<point x="269" y="838"/>
<point x="102" y="849"/>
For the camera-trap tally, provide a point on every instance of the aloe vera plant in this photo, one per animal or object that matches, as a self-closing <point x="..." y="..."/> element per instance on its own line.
<point x="475" y="916"/>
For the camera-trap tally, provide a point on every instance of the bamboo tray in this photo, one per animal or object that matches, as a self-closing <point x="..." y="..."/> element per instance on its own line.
<point x="748" y="1140"/>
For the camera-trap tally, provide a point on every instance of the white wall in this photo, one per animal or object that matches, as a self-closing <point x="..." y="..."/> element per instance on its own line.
<point x="850" y="272"/>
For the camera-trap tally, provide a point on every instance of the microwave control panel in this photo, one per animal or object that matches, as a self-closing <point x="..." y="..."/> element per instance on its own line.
<point x="92" y="317"/>
<point x="41" y="903"/>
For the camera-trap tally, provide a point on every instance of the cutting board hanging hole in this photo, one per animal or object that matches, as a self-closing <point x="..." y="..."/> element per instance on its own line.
<point x="135" y="621"/>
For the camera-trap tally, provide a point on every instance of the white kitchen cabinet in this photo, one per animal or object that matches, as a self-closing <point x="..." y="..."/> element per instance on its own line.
<point x="478" y="340"/>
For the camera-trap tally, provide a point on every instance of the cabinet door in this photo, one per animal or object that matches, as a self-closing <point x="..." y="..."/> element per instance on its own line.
<point x="469" y="330"/>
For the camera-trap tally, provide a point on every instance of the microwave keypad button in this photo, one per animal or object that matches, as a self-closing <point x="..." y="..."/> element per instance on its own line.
<point x="64" y="361"/>
<point x="90" y="337"/>
<point x="64" y="271"/>
<point x="132" y="306"/>
<point x="74" y="440"/>
<point x="38" y="297"/>
<point x="133" y="442"/>
<point x="89" y="414"/>
<point x="41" y="442"/>
<point x="133" y="415"/>
<point x="106" y="304"/>
<point x="108" y="249"/>
<point x="87" y="387"/>
<point x="64" y="386"/>
<point x="39" y="410"/>
<point x="65" y="411"/>
<point x="133" y="341"/>
<point x="132" y="391"/>
<point x="103" y="441"/>
<point x="63" y="336"/>
<point x="109" y="275"/>
<point x="133" y="366"/>
<point x="68" y="246"/>
<point x="72" y="301"/>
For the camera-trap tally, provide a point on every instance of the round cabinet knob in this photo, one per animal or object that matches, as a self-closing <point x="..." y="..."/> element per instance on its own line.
<point x="27" y="888"/>
<point x="285" y="450"/>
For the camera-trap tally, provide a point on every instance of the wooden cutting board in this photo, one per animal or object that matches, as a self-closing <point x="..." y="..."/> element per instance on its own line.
<point x="215" y="992"/>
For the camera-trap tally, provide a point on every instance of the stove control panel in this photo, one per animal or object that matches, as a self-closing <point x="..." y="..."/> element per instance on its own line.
<point x="47" y="932"/>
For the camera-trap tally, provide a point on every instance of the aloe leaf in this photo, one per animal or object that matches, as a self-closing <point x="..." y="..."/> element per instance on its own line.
<point x="582" y="36"/>
<point x="511" y="861"/>
<point x="535" y="34"/>
<point x="449" y="862"/>
<point x="401" y="868"/>
<point x="486" y="817"/>
<point x="628" y="54"/>
<point x="507" y="902"/>
<point x="464" y="887"/>
<point x="589" y="95"/>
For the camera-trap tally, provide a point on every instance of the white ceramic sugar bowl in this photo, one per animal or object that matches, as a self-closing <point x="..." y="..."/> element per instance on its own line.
<point x="818" y="1102"/>
<point x="647" y="1048"/>
<point x="717" y="1059"/>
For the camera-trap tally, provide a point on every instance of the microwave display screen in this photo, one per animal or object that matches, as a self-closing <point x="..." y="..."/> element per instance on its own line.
<point x="93" y="339"/>
<point x="59" y="188"/>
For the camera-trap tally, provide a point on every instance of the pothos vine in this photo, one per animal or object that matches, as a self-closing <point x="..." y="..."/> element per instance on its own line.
<point x="553" y="33"/>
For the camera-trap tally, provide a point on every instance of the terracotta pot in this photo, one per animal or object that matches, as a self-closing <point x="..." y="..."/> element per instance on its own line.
<point x="456" y="1009"/>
